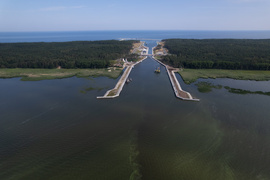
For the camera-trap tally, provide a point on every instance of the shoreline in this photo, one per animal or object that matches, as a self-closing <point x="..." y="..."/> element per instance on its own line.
<point x="48" y="74"/>
<point x="188" y="75"/>
<point x="192" y="75"/>
<point x="38" y="74"/>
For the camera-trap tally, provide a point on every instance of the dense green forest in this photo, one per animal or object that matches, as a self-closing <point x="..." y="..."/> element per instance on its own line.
<point x="78" y="54"/>
<point x="239" y="54"/>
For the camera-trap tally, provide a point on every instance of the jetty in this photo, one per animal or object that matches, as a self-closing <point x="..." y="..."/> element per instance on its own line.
<point x="115" y="92"/>
<point x="179" y="92"/>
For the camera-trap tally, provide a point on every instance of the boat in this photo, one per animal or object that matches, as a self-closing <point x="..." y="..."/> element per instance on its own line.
<point x="157" y="70"/>
<point x="128" y="80"/>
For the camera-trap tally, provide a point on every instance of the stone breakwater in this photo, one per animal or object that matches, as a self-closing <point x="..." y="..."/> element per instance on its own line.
<point x="179" y="92"/>
<point x="115" y="92"/>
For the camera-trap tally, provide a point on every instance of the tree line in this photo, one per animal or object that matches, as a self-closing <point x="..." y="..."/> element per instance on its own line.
<point x="245" y="54"/>
<point x="77" y="54"/>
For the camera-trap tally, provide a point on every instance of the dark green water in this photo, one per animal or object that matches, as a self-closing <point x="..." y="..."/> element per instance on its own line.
<point x="50" y="130"/>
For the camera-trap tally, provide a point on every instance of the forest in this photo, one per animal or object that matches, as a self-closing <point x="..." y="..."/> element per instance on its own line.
<point x="235" y="54"/>
<point x="77" y="54"/>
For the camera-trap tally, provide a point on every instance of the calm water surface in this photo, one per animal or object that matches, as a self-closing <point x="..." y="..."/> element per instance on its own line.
<point x="50" y="130"/>
<point x="105" y="35"/>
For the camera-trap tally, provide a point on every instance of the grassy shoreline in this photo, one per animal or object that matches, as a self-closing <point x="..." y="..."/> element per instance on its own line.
<point x="46" y="74"/>
<point x="191" y="75"/>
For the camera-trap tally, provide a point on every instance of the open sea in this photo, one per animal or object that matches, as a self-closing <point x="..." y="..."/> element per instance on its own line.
<point x="142" y="35"/>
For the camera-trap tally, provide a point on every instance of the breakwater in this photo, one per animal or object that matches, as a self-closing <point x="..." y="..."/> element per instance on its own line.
<point x="115" y="92"/>
<point x="179" y="92"/>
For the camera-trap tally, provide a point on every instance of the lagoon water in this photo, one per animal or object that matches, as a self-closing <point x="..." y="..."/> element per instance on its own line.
<point x="51" y="130"/>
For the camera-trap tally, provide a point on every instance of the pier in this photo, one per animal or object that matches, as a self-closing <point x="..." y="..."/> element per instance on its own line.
<point x="179" y="92"/>
<point x="115" y="92"/>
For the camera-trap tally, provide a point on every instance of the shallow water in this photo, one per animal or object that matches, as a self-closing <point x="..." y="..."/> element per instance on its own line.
<point x="50" y="130"/>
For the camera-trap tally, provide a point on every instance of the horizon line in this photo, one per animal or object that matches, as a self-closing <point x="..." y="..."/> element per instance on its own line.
<point x="121" y="30"/>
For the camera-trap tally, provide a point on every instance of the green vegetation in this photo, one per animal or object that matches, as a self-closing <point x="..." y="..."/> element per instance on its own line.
<point x="112" y="92"/>
<point x="42" y="74"/>
<point x="85" y="90"/>
<point x="133" y="158"/>
<point x="158" y="48"/>
<point x="189" y="149"/>
<point x="205" y="87"/>
<point x="241" y="91"/>
<point x="236" y="54"/>
<point x="79" y="54"/>
<point x="191" y="75"/>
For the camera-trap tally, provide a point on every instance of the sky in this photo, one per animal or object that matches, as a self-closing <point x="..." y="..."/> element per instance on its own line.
<point x="87" y="15"/>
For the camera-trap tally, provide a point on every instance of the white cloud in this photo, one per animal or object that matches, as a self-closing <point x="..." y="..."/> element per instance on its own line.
<point x="60" y="8"/>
